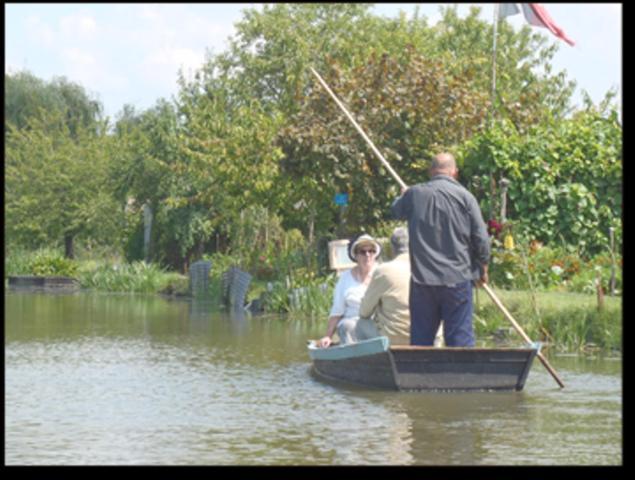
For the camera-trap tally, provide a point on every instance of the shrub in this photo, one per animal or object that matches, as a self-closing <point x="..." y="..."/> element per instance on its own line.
<point x="565" y="178"/>
<point x="42" y="262"/>
<point x="137" y="277"/>
<point x="550" y="268"/>
<point x="16" y="262"/>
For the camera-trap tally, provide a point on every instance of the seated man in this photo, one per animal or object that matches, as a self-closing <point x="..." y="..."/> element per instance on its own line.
<point x="384" y="308"/>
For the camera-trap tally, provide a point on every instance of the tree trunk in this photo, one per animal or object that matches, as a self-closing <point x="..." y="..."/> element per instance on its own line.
<point x="147" y="232"/>
<point x="68" y="246"/>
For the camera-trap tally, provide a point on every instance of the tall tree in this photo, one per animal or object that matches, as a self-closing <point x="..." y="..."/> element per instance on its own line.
<point x="27" y="96"/>
<point x="143" y="168"/>
<point x="269" y="60"/>
<point x="411" y="107"/>
<point x="528" y="91"/>
<point x="227" y="158"/>
<point x="56" y="184"/>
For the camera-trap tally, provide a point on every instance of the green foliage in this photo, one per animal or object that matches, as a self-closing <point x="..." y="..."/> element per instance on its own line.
<point x="27" y="96"/>
<point x="52" y="263"/>
<point x="144" y="172"/>
<point x="260" y="245"/>
<point x="565" y="179"/>
<point x="370" y="62"/>
<point x="552" y="268"/>
<point x="567" y="321"/>
<point x="133" y="248"/>
<point x="308" y="296"/>
<point x="580" y="329"/>
<point x="225" y="163"/>
<point x="56" y="184"/>
<point x="269" y="56"/>
<point x="16" y="261"/>
<point x="528" y="92"/>
<point x="413" y="105"/>
<point x="42" y="262"/>
<point x="138" y="277"/>
<point x="245" y="163"/>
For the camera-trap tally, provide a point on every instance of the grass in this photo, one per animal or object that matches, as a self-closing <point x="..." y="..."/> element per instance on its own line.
<point x="138" y="277"/>
<point x="569" y="322"/>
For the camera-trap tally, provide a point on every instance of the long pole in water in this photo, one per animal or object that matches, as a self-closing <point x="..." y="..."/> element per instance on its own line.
<point x="361" y="132"/>
<point x="403" y="185"/>
<point x="522" y="333"/>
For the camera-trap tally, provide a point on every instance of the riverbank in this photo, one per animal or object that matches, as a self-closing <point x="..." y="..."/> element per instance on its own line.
<point x="563" y="321"/>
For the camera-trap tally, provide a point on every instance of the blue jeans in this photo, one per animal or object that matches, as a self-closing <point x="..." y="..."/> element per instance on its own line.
<point x="431" y="304"/>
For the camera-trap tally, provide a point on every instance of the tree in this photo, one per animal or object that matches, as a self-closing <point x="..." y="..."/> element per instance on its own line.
<point x="26" y="96"/>
<point x="56" y="188"/>
<point x="272" y="49"/>
<point x="411" y="107"/>
<point x="143" y="171"/>
<point x="227" y="160"/>
<point x="269" y="60"/>
<point x="528" y="92"/>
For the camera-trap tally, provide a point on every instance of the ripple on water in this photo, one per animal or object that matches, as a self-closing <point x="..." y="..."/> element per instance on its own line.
<point x="154" y="389"/>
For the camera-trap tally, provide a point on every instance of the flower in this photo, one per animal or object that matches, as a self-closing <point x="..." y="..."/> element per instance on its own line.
<point x="509" y="242"/>
<point x="534" y="246"/>
<point x="557" y="269"/>
<point x="494" y="228"/>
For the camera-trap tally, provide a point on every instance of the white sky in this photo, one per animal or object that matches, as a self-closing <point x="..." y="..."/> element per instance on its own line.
<point x="130" y="53"/>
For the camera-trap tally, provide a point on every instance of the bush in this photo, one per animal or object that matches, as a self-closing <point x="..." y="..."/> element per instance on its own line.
<point x="137" y="277"/>
<point x="550" y="268"/>
<point x="565" y="178"/>
<point x="42" y="262"/>
<point x="16" y="262"/>
<point x="311" y="296"/>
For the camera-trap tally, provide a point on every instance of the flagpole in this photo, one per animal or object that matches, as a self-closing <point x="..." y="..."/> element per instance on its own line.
<point x="493" y="101"/>
<point x="495" y="34"/>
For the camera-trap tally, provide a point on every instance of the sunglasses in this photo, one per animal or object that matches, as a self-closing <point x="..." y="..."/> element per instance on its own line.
<point x="364" y="251"/>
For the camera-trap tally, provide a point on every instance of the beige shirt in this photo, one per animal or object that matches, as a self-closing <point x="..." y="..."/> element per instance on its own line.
<point x="386" y="300"/>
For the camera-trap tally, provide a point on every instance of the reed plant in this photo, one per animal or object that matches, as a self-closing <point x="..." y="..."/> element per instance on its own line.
<point x="309" y="297"/>
<point x="138" y="277"/>
<point x="16" y="262"/>
<point x="569" y="322"/>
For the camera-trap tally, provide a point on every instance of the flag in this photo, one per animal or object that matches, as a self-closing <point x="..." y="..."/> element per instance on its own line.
<point x="536" y="15"/>
<point x="507" y="9"/>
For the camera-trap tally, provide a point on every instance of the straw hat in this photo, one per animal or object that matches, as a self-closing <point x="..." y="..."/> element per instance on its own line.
<point x="360" y="240"/>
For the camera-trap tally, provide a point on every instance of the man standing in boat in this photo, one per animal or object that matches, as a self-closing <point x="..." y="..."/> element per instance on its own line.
<point x="449" y="249"/>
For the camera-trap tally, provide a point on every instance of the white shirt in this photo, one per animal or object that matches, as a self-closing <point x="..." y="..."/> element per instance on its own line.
<point x="347" y="296"/>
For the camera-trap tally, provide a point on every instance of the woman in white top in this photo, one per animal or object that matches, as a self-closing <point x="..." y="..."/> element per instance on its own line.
<point x="350" y="289"/>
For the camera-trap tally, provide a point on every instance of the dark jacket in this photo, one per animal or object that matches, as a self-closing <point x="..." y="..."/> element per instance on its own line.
<point x="447" y="235"/>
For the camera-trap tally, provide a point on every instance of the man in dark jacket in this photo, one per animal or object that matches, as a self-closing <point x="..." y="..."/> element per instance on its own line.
<point x="449" y="249"/>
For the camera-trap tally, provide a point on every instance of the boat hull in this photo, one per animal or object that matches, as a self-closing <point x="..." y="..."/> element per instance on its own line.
<point x="425" y="368"/>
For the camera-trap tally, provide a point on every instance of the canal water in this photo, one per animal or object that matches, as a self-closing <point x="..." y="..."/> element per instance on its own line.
<point x="103" y="379"/>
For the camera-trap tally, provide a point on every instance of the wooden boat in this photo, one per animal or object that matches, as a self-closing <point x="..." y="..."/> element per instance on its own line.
<point x="374" y="363"/>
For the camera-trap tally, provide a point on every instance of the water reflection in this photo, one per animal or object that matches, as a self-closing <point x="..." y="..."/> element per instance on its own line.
<point x="119" y="379"/>
<point x="428" y="428"/>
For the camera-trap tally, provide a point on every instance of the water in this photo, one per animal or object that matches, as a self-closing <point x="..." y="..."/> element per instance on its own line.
<point x="96" y="379"/>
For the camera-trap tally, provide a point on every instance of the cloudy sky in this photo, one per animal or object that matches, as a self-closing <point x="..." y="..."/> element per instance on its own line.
<point x="130" y="53"/>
